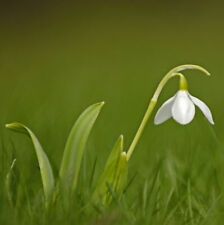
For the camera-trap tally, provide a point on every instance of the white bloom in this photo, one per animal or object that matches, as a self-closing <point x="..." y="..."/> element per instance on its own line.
<point x="181" y="108"/>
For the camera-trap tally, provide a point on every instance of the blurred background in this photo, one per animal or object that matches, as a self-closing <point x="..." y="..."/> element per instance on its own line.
<point x="58" y="57"/>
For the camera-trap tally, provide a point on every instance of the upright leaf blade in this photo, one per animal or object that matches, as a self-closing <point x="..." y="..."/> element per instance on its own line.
<point x="74" y="149"/>
<point x="45" y="166"/>
<point x="114" y="175"/>
<point x="116" y="151"/>
<point x="10" y="184"/>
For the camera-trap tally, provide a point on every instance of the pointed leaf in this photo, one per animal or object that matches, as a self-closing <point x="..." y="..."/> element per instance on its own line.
<point x="74" y="149"/>
<point x="10" y="184"/>
<point x="45" y="166"/>
<point x="116" y="151"/>
<point x="114" y="175"/>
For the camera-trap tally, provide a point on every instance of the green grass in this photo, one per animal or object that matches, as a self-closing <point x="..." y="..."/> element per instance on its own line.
<point x="182" y="185"/>
<point x="175" y="176"/>
<point x="54" y="65"/>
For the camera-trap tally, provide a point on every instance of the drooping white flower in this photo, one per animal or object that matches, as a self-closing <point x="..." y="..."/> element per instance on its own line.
<point x="182" y="108"/>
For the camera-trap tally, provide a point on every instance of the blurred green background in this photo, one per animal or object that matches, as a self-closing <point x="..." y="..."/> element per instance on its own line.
<point x="57" y="58"/>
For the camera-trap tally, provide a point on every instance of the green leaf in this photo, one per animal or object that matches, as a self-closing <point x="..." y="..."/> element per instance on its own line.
<point x="44" y="164"/>
<point x="114" y="175"/>
<point x="10" y="184"/>
<point x="116" y="151"/>
<point x="76" y="143"/>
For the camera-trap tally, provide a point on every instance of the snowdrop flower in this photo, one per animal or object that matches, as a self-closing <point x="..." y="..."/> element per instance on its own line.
<point x="182" y="108"/>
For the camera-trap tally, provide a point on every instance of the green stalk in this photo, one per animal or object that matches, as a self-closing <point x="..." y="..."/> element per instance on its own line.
<point x="141" y="128"/>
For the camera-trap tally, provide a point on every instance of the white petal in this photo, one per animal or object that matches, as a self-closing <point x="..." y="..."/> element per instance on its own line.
<point x="183" y="109"/>
<point x="204" y="108"/>
<point x="164" y="112"/>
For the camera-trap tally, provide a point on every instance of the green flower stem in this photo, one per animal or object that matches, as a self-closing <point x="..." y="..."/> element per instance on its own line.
<point x="149" y="111"/>
<point x="183" y="85"/>
<point x="141" y="128"/>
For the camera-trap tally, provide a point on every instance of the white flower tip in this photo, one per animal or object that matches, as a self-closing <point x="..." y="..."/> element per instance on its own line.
<point x="183" y="122"/>
<point x="212" y="122"/>
<point x="204" y="108"/>
<point x="210" y="118"/>
<point x="156" y="121"/>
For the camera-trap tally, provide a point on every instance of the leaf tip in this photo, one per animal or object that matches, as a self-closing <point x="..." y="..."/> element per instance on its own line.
<point x="121" y="137"/>
<point x="18" y="127"/>
<point x="14" y="125"/>
<point x="11" y="125"/>
<point x="121" y="141"/>
<point x="101" y="103"/>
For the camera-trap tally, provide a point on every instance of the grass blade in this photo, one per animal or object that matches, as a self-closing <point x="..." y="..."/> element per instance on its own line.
<point x="10" y="184"/>
<point x="45" y="166"/>
<point x="74" y="149"/>
<point x="114" y="174"/>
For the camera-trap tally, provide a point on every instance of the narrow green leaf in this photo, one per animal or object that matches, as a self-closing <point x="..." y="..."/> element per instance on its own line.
<point x="45" y="166"/>
<point x="114" y="174"/>
<point x="74" y="149"/>
<point x="10" y="184"/>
